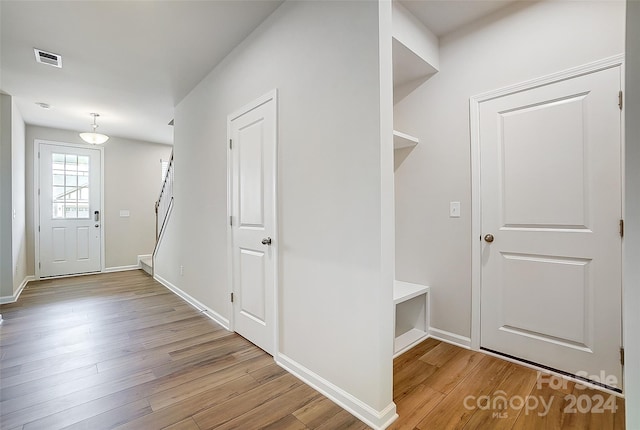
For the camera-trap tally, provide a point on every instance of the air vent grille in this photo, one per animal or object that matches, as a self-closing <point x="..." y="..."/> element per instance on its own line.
<point x="49" y="58"/>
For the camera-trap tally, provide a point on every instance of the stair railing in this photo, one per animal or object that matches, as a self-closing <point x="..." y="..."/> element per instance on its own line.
<point x="163" y="207"/>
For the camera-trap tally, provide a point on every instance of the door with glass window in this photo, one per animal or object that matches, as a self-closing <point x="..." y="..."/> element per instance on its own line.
<point x="70" y="216"/>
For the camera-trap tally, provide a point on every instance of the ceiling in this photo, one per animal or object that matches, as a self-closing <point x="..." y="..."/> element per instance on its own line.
<point x="445" y="16"/>
<point x="129" y="61"/>
<point x="133" y="61"/>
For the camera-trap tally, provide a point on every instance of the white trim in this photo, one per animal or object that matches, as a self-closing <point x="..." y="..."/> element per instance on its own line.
<point x="376" y="419"/>
<point x="424" y="335"/>
<point x="205" y="310"/>
<point x="143" y="256"/>
<point x="271" y="95"/>
<point x="585" y="69"/>
<point x="448" y="337"/>
<point x="36" y="200"/>
<point x="229" y="226"/>
<point x="476" y="204"/>
<point x="70" y="275"/>
<point x="16" y="295"/>
<point x="121" y="268"/>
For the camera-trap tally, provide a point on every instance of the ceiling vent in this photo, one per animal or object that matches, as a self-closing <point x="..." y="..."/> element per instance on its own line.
<point x="49" y="58"/>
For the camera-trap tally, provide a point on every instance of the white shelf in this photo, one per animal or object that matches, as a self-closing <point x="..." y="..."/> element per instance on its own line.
<point x="403" y="140"/>
<point x="403" y="291"/>
<point x="411" y="303"/>
<point x="406" y="340"/>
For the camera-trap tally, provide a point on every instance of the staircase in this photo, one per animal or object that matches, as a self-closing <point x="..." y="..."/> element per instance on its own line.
<point x="146" y="264"/>
<point x="163" y="207"/>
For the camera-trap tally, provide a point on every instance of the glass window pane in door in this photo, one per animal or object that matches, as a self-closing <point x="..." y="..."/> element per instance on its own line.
<point x="70" y="186"/>
<point x="83" y="210"/>
<point x="58" y="210"/>
<point x="83" y="163"/>
<point x="71" y="210"/>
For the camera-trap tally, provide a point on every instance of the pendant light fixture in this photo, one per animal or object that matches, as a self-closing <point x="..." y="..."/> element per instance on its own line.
<point x="93" y="137"/>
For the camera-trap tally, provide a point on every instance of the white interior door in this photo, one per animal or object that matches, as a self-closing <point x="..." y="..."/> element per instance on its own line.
<point x="254" y="246"/>
<point x="69" y="210"/>
<point x="551" y="199"/>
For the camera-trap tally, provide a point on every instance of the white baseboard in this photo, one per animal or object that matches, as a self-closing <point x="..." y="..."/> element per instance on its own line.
<point x="447" y="336"/>
<point x="14" y="298"/>
<point x="376" y="419"/>
<point x="121" y="268"/>
<point x="224" y="322"/>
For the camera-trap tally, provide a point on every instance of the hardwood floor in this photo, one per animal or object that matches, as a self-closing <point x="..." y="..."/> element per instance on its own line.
<point x="119" y="350"/>
<point x="440" y="386"/>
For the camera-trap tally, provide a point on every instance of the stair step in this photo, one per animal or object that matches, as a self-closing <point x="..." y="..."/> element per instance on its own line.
<point x="146" y="264"/>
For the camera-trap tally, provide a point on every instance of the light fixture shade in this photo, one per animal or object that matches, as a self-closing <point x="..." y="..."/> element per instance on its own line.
<point x="94" y="138"/>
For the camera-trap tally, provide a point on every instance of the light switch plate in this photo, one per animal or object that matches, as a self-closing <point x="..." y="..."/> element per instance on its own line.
<point x="124" y="213"/>
<point x="454" y="209"/>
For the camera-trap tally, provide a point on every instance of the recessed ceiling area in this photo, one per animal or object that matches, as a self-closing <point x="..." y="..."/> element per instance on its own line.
<point x="133" y="61"/>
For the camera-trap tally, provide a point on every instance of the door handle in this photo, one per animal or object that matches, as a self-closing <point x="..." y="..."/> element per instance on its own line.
<point x="489" y="238"/>
<point x="96" y="216"/>
<point x="266" y="241"/>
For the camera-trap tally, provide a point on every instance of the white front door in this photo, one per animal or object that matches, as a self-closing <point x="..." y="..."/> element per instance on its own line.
<point x="254" y="243"/>
<point x="551" y="201"/>
<point x="70" y="216"/>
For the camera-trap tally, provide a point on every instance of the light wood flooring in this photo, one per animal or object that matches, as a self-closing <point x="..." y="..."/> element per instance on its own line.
<point x="120" y="351"/>
<point x="440" y="386"/>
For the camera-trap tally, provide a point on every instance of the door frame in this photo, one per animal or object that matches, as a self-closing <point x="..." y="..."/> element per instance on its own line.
<point x="476" y="187"/>
<point x="271" y="95"/>
<point x="36" y="200"/>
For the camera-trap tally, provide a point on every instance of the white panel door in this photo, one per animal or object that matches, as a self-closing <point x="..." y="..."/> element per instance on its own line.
<point x="551" y="200"/>
<point x="70" y="214"/>
<point x="254" y="247"/>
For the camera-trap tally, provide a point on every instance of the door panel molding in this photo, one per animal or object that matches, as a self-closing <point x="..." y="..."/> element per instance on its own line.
<point x="36" y="198"/>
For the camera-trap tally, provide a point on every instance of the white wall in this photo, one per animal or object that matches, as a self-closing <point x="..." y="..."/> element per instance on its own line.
<point x="521" y="42"/>
<point x="335" y="300"/>
<point x="131" y="182"/>
<point x="18" y="177"/>
<point x="13" y="267"/>
<point x="632" y="220"/>
<point x="6" y="270"/>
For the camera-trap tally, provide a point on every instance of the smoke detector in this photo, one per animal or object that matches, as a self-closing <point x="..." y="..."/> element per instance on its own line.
<point x="49" y="58"/>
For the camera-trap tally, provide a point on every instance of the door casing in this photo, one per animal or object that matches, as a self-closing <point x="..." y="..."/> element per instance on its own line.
<point x="476" y="191"/>
<point x="36" y="200"/>
<point x="271" y="95"/>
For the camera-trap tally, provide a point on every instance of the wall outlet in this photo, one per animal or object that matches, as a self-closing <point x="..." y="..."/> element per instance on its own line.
<point x="454" y="209"/>
<point x="124" y="213"/>
<point x="181" y="270"/>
